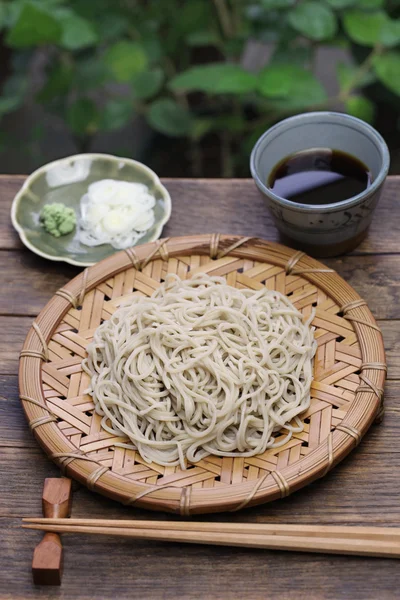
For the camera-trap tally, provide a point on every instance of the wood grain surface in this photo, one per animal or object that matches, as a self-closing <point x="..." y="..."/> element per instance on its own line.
<point x="363" y="489"/>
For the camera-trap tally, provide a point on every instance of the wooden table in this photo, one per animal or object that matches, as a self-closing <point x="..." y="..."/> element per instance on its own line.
<point x="363" y="489"/>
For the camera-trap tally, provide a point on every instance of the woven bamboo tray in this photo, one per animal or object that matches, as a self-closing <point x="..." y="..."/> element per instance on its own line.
<point x="347" y="392"/>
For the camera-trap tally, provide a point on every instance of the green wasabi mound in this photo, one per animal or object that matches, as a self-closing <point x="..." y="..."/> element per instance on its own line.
<point x="58" y="219"/>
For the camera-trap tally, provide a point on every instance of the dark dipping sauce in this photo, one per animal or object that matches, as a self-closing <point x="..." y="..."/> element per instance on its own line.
<point x="319" y="176"/>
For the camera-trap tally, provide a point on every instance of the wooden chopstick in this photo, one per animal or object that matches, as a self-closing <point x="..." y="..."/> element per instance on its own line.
<point x="303" y="538"/>
<point x="331" y="531"/>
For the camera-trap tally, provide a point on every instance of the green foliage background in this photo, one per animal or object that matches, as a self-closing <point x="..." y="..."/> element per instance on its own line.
<point x="178" y="64"/>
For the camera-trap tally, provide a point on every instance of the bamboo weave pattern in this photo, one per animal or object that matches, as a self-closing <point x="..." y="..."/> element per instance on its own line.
<point x="339" y="378"/>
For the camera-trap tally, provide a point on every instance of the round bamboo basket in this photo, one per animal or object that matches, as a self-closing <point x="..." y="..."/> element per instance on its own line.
<point x="347" y="391"/>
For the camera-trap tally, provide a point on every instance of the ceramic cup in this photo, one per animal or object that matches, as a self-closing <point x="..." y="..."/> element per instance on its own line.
<point x="323" y="229"/>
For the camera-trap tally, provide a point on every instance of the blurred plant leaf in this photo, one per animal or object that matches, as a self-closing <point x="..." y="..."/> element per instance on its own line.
<point x="77" y="32"/>
<point x="8" y="104"/>
<point x="234" y="47"/>
<point x="346" y="74"/>
<point x="200" y="127"/>
<point x="313" y="20"/>
<point x="299" y="55"/>
<point x="16" y="85"/>
<point x="3" y="14"/>
<point x="83" y="117"/>
<point x="90" y="73"/>
<point x="14" y="8"/>
<point x="193" y="15"/>
<point x="202" y="37"/>
<point x="13" y="93"/>
<point x="360" y="107"/>
<point x="250" y="139"/>
<point x="387" y="69"/>
<point x="340" y="3"/>
<point x="125" y="60"/>
<point x="115" y="114"/>
<point x="297" y="86"/>
<point x="277" y="4"/>
<point x="364" y="28"/>
<point x="276" y="81"/>
<point x="232" y="123"/>
<point x="34" y="26"/>
<point x="58" y="82"/>
<point x="168" y="117"/>
<point x="147" y="84"/>
<point x="111" y="26"/>
<point x="152" y="47"/>
<point x="390" y="33"/>
<point x="215" y="78"/>
<point x="190" y="16"/>
<point x="370" y="4"/>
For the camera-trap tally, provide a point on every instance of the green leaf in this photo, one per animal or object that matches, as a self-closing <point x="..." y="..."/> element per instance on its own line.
<point x="83" y="117"/>
<point x="340" y="3"/>
<point x="390" y="33"/>
<point x="231" y="123"/>
<point x="387" y="69"/>
<point x="201" y="127"/>
<point x="77" y="32"/>
<point x="111" y="26"/>
<point x="58" y="82"/>
<point x="147" y="84"/>
<point x="297" y="86"/>
<point x="90" y="73"/>
<point x="12" y="14"/>
<point x="346" y="74"/>
<point x="299" y="55"/>
<point x="365" y="28"/>
<point x="360" y="107"/>
<point x="277" y="4"/>
<point x="202" y="38"/>
<point x="152" y="47"/>
<point x="234" y="47"/>
<point x="8" y="104"/>
<point x="192" y="16"/>
<point x="14" y="91"/>
<point x="115" y="114"/>
<point x="313" y="20"/>
<point x="168" y="117"/>
<point x="215" y="78"/>
<point x="125" y="60"/>
<point x="34" y="26"/>
<point x="16" y="86"/>
<point x="370" y="4"/>
<point x="250" y="140"/>
<point x="3" y="14"/>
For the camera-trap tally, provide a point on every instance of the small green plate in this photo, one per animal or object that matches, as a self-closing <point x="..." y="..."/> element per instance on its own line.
<point x="66" y="181"/>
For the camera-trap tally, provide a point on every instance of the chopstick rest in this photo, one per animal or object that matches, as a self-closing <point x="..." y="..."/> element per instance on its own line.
<point x="47" y="562"/>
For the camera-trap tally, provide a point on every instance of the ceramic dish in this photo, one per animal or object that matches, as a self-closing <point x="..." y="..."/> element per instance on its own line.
<point x="66" y="181"/>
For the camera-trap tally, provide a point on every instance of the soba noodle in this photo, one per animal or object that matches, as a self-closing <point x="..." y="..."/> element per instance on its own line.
<point x="202" y="368"/>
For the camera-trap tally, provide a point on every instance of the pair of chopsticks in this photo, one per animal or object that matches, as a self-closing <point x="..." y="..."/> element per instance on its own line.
<point x="363" y="541"/>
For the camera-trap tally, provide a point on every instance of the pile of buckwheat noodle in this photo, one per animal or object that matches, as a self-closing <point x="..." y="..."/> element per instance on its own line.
<point x="202" y="368"/>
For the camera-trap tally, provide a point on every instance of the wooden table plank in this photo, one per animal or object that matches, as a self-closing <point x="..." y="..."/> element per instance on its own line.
<point x="362" y="489"/>
<point x="368" y="492"/>
<point x="160" y="571"/>
<point x="231" y="206"/>
<point x="30" y="281"/>
<point x="13" y="332"/>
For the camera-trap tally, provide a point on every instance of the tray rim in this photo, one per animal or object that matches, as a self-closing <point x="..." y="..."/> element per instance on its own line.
<point x="317" y="463"/>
